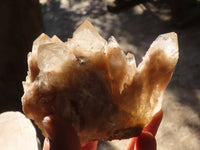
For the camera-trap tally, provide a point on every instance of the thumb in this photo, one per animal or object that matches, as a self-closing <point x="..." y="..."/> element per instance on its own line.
<point x="61" y="136"/>
<point x="146" y="141"/>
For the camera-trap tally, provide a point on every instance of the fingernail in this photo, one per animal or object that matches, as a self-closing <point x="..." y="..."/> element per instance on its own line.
<point x="60" y="134"/>
<point x="46" y="119"/>
<point x="48" y="127"/>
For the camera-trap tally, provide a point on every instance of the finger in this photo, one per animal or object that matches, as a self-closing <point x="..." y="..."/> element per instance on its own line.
<point x="152" y="127"/>
<point x="61" y="136"/>
<point x="146" y="141"/>
<point x="90" y="146"/>
<point x="46" y="145"/>
<point x="132" y="144"/>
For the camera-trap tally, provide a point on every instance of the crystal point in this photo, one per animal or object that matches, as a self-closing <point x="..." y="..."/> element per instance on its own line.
<point x="95" y="86"/>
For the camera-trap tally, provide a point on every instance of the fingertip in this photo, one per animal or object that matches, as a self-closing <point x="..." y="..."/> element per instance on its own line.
<point x="153" y="126"/>
<point x="55" y="126"/>
<point x="90" y="146"/>
<point x="146" y="141"/>
<point x="46" y="145"/>
<point x="61" y="135"/>
<point x="49" y="126"/>
<point x="159" y="114"/>
<point x="132" y="144"/>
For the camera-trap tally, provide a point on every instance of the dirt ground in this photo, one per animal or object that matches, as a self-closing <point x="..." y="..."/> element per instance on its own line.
<point x="135" y="28"/>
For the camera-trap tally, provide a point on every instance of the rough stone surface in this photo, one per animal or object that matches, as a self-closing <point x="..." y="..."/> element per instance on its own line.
<point x="86" y="78"/>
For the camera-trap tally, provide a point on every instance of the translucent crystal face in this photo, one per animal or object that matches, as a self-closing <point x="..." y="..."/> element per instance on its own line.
<point x="93" y="85"/>
<point x="51" y="57"/>
<point x="86" y="41"/>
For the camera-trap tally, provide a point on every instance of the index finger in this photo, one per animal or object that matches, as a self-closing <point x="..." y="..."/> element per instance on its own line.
<point x="152" y="127"/>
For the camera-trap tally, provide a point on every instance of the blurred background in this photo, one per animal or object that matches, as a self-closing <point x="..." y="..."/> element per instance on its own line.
<point x="135" y="24"/>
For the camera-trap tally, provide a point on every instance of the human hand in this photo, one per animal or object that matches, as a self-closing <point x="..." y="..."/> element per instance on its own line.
<point x="146" y="140"/>
<point x="62" y="136"/>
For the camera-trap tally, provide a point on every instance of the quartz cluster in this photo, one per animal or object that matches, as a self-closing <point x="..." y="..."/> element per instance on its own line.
<point x="94" y="85"/>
